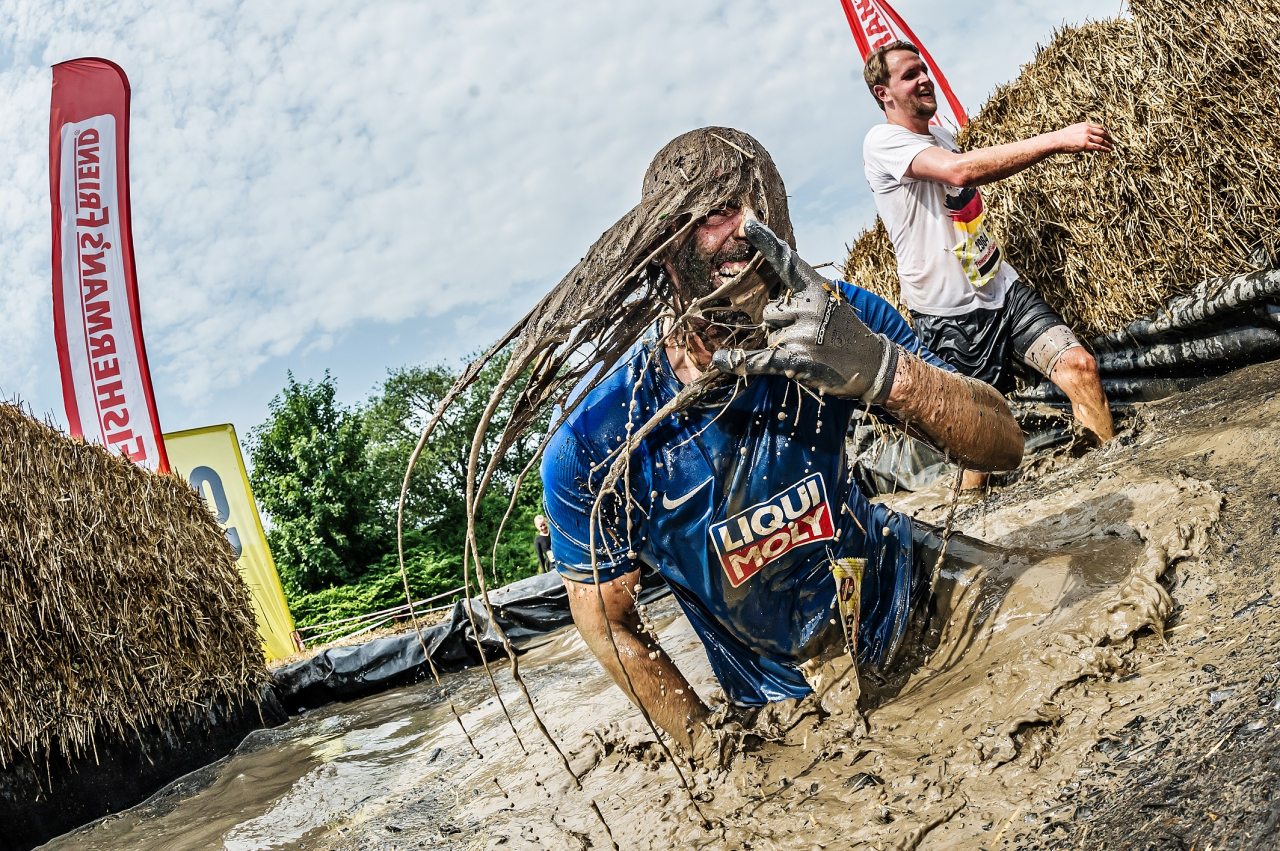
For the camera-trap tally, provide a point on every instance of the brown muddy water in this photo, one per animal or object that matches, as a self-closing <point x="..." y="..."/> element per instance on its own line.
<point x="1053" y="599"/>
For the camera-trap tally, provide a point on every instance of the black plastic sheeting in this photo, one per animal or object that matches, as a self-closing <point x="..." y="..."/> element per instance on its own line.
<point x="525" y="611"/>
<point x="885" y="460"/>
<point x="1226" y="323"/>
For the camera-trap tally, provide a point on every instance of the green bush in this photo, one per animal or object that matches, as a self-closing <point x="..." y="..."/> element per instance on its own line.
<point x="381" y="588"/>
<point x="329" y="477"/>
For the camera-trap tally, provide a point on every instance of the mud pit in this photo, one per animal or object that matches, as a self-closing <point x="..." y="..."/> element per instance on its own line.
<point x="1055" y="713"/>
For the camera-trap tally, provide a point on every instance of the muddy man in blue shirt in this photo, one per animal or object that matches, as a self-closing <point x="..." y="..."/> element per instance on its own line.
<point x="744" y="500"/>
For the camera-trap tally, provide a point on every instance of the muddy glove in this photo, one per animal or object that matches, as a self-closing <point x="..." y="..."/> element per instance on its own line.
<point x="814" y="335"/>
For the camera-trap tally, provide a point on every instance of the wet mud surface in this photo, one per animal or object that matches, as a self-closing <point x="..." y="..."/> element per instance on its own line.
<point x="1106" y="678"/>
<point x="1194" y="763"/>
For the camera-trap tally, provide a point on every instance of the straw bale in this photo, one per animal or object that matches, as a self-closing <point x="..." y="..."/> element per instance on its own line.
<point x="120" y="602"/>
<point x="1192" y="190"/>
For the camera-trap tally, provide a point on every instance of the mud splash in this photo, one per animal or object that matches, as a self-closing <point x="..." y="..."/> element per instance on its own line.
<point x="1055" y="600"/>
<point x="1052" y="600"/>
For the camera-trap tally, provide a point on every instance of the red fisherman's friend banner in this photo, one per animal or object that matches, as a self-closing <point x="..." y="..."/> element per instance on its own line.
<point x="106" y="385"/>
<point x="875" y="24"/>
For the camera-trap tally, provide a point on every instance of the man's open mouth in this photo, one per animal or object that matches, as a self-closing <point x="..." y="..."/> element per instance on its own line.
<point x="732" y="268"/>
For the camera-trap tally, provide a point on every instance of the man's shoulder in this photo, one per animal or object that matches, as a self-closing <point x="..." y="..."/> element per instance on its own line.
<point x="599" y="410"/>
<point x="873" y="310"/>
<point x="886" y="132"/>
<point x="601" y="406"/>
<point x="887" y="154"/>
<point x="879" y="134"/>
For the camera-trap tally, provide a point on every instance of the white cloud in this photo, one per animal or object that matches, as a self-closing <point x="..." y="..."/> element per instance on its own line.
<point x="303" y="171"/>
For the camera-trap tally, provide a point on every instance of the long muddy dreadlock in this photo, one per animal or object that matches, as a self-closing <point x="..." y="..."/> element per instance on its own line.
<point x="579" y="331"/>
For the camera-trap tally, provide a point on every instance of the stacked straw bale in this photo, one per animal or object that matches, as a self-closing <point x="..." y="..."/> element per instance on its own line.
<point x="1189" y="92"/>
<point x="120" y="602"/>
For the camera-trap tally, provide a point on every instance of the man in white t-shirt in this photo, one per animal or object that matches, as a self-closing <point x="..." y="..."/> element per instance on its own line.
<point x="967" y="303"/>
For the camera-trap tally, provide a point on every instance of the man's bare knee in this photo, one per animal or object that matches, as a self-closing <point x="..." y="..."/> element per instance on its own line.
<point x="1075" y="367"/>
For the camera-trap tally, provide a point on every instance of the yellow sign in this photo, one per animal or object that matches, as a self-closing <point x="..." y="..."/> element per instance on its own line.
<point x="209" y="458"/>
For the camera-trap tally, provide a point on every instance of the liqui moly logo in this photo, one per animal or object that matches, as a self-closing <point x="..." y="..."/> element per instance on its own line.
<point x="767" y="531"/>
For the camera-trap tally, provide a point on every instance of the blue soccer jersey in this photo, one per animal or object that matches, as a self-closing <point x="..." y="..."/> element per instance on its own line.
<point x="741" y="503"/>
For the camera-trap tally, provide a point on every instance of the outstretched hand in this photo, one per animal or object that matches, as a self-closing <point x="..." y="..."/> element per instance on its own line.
<point x="814" y="335"/>
<point x="1085" y="136"/>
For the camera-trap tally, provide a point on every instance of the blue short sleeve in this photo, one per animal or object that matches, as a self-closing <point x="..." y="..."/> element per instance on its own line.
<point x="568" y="498"/>
<point x="880" y="316"/>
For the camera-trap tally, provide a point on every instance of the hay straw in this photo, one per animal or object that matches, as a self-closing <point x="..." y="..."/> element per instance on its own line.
<point x="120" y="602"/>
<point x="1190" y="193"/>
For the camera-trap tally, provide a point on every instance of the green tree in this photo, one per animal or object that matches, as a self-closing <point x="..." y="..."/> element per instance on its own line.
<point x="311" y="474"/>
<point x="436" y="503"/>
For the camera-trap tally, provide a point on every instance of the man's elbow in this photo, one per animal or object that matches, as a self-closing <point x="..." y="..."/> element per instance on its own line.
<point x="963" y="173"/>
<point x="1011" y="450"/>
<point x="1004" y="452"/>
<point x="598" y="627"/>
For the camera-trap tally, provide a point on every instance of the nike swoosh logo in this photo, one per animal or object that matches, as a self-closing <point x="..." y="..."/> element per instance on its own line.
<point x="672" y="504"/>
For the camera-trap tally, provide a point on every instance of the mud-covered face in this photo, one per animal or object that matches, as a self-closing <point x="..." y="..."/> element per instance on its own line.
<point x="713" y="255"/>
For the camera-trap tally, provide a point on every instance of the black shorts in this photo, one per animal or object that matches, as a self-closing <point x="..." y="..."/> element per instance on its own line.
<point x="990" y="345"/>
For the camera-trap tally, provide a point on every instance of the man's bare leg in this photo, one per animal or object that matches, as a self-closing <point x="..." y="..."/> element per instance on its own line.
<point x="1076" y="375"/>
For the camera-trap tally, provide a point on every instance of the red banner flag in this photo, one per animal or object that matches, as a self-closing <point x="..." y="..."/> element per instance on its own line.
<point x="106" y="385"/>
<point x="875" y="24"/>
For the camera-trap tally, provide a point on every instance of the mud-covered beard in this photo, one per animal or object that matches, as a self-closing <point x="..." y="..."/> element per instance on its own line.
<point x="722" y="322"/>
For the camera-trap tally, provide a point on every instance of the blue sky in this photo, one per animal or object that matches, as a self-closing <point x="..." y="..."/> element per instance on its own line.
<point x="362" y="186"/>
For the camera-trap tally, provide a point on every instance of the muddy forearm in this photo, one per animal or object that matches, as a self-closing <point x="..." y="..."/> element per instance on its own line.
<point x="650" y="678"/>
<point x="962" y="416"/>
<point x="657" y="686"/>
<point x="987" y="165"/>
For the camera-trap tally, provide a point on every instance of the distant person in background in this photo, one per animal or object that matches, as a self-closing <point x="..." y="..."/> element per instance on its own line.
<point x="542" y="543"/>
<point x="968" y="305"/>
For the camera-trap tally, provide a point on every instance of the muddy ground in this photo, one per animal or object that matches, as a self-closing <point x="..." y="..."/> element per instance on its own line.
<point x="1107" y="679"/>
<point x="1134" y="735"/>
<point x="1194" y="764"/>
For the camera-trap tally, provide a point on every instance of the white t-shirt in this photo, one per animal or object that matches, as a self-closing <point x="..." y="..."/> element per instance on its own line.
<point x="949" y="264"/>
